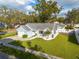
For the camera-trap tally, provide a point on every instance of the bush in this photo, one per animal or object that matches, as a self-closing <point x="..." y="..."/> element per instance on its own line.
<point x="24" y="36"/>
<point x="47" y="32"/>
<point x="69" y="27"/>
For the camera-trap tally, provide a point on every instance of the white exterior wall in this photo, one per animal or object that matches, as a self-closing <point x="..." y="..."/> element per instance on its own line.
<point x="29" y="33"/>
<point x="20" y="34"/>
<point x="77" y="34"/>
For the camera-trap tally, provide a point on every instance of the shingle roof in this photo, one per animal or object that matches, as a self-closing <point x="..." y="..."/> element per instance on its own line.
<point x="39" y="26"/>
<point x="23" y="28"/>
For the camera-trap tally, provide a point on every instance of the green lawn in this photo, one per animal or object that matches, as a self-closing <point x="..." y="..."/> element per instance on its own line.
<point x="63" y="45"/>
<point x="7" y="35"/>
<point x="18" y="54"/>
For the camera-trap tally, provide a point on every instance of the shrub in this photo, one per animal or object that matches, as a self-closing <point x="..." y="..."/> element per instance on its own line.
<point x="47" y="32"/>
<point x="25" y="36"/>
<point x="69" y="27"/>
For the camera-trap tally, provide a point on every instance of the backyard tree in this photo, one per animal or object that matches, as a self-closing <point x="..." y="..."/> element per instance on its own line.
<point x="72" y="16"/>
<point x="61" y="19"/>
<point x="38" y="47"/>
<point x="46" y="9"/>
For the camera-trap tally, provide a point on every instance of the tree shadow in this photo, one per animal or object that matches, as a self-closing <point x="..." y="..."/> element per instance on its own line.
<point x="72" y="38"/>
<point x="77" y="57"/>
<point x="17" y="43"/>
<point x="37" y="48"/>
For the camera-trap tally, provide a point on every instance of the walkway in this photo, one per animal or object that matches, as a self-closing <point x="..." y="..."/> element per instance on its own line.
<point x="20" y="38"/>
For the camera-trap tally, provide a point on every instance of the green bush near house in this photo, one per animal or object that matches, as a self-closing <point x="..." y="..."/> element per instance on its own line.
<point x="25" y="36"/>
<point x="69" y="27"/>
<point x="47" y="32"/>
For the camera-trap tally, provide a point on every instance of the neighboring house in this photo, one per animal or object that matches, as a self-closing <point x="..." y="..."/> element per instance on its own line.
<point x="42" y="30"/>
<point x="76" y="25"/>
<point x="2" y="25"/>
<point x="77" y="34"/>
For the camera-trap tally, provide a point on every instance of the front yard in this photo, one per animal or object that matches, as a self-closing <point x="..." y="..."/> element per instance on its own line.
<point x="7" y="35"/>
<point x="63" y="45"/>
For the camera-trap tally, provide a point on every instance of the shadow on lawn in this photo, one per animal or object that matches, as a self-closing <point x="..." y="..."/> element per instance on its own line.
<point x="72" y="38"/>
<point x="77" y="57"/>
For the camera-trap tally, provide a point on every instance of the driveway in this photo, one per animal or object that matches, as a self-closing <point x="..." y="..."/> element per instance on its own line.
<point x="20" y="38"/>
<point x="5" y="56"/>
<point x="12" y="38"/>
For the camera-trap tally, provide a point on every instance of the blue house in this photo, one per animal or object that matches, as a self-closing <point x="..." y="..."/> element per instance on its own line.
<point x="3" y="25"/>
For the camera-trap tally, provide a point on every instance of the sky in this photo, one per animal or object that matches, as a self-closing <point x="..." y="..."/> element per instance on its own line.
<point x="27" y="4"/>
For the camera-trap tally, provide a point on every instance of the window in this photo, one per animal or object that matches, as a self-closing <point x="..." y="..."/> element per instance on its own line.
<point x="41" y="32"/>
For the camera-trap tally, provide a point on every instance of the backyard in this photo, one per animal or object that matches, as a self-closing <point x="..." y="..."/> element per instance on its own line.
<point x="63" y="45"/>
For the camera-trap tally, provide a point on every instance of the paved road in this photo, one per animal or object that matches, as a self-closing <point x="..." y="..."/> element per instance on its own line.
<point x="5" y="56"/>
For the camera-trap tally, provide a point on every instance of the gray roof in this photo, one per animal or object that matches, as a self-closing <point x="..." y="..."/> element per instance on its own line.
<point x="39" y="26"/>
<point x="26" y="28"/>
<point x="23" y="28"/>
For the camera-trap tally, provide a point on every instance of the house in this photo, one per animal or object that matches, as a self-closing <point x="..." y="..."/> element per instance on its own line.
<point x="77" y="34"/>
<point x="3" y="25"/>
<point x="24" y="30"/>
<point x="42" y="30"/>
<point x="76" y="25"/>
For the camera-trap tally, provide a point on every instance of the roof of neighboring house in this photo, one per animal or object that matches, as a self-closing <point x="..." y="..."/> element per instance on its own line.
<point x="40" y="26"/>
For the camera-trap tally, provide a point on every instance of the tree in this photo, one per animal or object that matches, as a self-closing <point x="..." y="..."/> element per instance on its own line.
<point x="61" y="19"/>
<point x="11" y="16"/>
<point x="38" y="48"/>
<point x="72" y="16"/>
<point x="29" y="43"/>
<point x="46" y="9"/>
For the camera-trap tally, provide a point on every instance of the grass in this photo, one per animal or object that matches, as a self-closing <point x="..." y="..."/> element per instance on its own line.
<point x="18" y="54"/>
<point x="7" y="35"/>
<point x="63" y="45"/>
